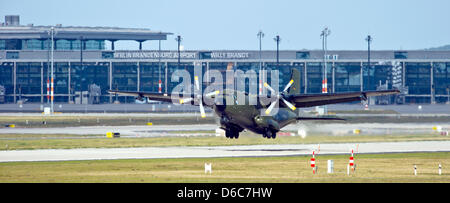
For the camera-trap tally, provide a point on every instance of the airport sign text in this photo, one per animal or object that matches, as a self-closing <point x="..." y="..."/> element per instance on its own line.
<point x="174" y="55"/>
<point x="154" y="55"/>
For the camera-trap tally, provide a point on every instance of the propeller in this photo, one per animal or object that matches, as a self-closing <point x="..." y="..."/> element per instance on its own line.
<point x="198" y="97"/>
<point x="279" y="96"/>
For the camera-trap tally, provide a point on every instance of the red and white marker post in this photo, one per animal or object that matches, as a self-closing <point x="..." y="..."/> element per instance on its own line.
<point x="351" y="162"/>
<point x="159" y="86"/>
<point x="51" y="90"/>
<point x="313" y="163"/>
<point x="324" y="86"/>
<point x="260" y="87"/>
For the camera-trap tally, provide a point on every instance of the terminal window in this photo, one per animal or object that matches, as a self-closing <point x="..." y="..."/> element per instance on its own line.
<point x="13" y="44"/>
<point x="400" y="55"/>
<point x="2" y="45"/>
<point x="302" y="55"/>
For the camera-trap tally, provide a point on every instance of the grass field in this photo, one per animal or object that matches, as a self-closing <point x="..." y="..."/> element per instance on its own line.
<point x="22" y="142"/>
<point x="370" y="168"/>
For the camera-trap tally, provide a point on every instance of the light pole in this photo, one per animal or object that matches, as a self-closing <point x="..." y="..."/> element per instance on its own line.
<point x="324" y="34"/>
<point x="278" y="39"/>
<point x="48" y="68"/>
<point x="369" y="40"/>
<point x="260" y="36"/>
<point x="52" y="33"/>
<point x="159" y="67"/>
<point x="81" y="69"/>
<point x="178" y="39"/>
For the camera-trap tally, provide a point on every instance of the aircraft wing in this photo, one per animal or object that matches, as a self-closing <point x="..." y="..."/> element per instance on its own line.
<point x="309" y="100"/>
<point x="152" y="96"/>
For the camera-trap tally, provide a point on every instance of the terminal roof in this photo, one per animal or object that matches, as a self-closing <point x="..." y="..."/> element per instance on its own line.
<point x="74" y="33"/>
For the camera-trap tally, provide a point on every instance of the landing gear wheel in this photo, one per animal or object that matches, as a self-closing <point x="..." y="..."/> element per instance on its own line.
<point x="268" y="134"/>
<point x="274" y="135"/>
<point x="232" y="134"/>
<point x="228" y="134"/>
<point x="236" y="134"/>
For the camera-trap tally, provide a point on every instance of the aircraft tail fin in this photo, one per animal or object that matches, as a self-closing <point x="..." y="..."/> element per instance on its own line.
<point x="295" y="87"/>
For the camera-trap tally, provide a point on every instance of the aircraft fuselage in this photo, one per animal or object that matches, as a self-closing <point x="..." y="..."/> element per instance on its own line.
<point x="239" y="117"/>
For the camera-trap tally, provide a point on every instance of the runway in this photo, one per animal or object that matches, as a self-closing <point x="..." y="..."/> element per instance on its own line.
<point x="220" y="151"/>
<point x="208" y="129"/>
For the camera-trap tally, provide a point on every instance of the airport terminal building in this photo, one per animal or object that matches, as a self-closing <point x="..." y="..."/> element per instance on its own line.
<point x="84" y="69"/>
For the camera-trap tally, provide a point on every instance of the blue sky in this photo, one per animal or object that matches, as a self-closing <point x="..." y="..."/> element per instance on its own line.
<point x="233" y="24"/>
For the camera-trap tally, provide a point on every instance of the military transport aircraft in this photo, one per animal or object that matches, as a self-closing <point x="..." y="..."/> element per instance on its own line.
<point x="235" y="118"/>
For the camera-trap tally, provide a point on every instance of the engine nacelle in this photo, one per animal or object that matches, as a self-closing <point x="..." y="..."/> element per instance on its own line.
<point x="141" y="98"/>
<point x="266" y="122"/>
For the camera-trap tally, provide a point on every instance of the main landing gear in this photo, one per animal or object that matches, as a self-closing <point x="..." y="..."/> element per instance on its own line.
<point x="270" y="134"/>
<point x="232" y="134"/>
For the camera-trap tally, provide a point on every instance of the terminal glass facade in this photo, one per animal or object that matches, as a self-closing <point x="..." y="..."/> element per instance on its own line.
<point x="300" y="66"/>
<point x="150" y="73"/>
<point x="60" y="44"/>
<point x="314" y="76"/>
<point x="347" y="77"/>
<point x="441" y="81"/>
<point x="418" y="75"/>
<point x="2" y="45"/>
<point x="28" y="79"/>
<point x="423" y="81"/>
<point x="6" y="79"/>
